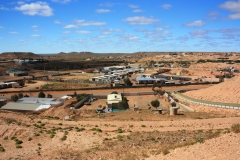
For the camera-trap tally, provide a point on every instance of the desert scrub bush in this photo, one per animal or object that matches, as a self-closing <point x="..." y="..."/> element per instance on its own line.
<point x="119" y="130"/>
<point x="10" y="120"/>
<point x="235" y="128"/>
<point x="5" y="138"/>
<point x="18" y="146"/>
<point x="60" y="124"/>
<point x="120" y="138"/>
<point x="56" y="117"/>
<point x="13" y="137"/>
<point x="19" y="123"/>
<point x="96" y="129"/>
<point x="18" y="141"/>
<point x="80" y="129"/>
<point x="165" y="151"/>
<point x="143" y="125"/>
<point x="199" y="139"/>
<point x="64" y="138"/>
<point x="39" y="121"/>
<point x="1" y="148"/>
<point x="36" y="134"/>
<point x="29" y="139"/>
<point x="52" y="135"/>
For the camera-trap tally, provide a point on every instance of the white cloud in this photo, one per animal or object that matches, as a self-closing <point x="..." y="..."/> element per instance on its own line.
<point x="83" y="32"/>
<point x="133" y="6"/>
<point x="14" y="32"/>
<point x="166" y="6"/>
<point x="35" y="26"/>
<point x="213" y="13"/>
<point x="89" y="23"/>
<point x="137" y="10"/>
<point x="110" y="31"/>
<point x="22" y="41"/>
<point x="66" y="32"/>
<point x="231" y="6"/>
<point x="234" y="16"/>
<point x="140" y="20"/>
<point x="199" y="33"/>
<point x="35" y="35"/>
<point x="71" y="26"/>
<point x="1" y="27"/>
<point x="57" y="22"/>
<point x="61" y="1"/>
<point x="102" y="10"/>
<point x="37" y="8"/>
<point x="108" y="4"/>
<point x="4" y="8"/>
<point x="130" y="37"/>
<point x="197" y="23"/>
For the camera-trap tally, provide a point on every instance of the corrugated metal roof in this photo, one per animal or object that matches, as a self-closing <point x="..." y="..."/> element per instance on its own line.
<point x="144" y="79"/>
<point x="31" y="100"/>
<point x="21" y="106"/>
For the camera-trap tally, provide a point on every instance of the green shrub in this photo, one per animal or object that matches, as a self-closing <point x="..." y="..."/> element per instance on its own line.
<point x="18" y="141"/>
<point x="37" y="134"/>
<point x="12" y="138"/>
<point x="80" y="129"/>
<point x="2" y="149"/>
<point x="52" y="135"/>
<point x="96" y="129"/>
<point x="64" y="138"/>
<point x="120" y="138"/>
<point x="18" y="146"/>
<point x="235" y="128"/>
<point x="29" y="139"/>
<point x="119" y="130"/>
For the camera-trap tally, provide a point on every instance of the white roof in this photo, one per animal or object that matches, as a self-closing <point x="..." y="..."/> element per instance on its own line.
<point x="114" y="98"/>
<point x="43" y="106"/>
<point x="64" y="97"/>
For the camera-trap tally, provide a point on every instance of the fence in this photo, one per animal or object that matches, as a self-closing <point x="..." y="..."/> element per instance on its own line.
<point x="207" y="103"/>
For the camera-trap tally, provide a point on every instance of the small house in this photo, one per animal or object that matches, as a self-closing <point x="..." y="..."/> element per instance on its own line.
<point x="113" y="100"/>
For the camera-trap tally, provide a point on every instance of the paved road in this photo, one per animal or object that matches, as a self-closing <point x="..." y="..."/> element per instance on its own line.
<point x="58" y="94"/>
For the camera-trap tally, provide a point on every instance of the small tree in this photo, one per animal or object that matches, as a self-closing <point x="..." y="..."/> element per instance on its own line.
<point x="20" y="95"/>
<point x="41" y="95"/>
<point x="155" y="103"/>
<point x="114" y="92"/>
<point x="26" y="95"/>
<point x="75" y="94"/>
<point x="49" y="96"/>
<point x="14" y="98"/>
<point x="127" y="82"/>
<point x="174" y="104"/>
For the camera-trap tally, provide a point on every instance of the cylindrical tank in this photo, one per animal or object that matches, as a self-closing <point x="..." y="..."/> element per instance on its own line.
<point x="173" y="111"/>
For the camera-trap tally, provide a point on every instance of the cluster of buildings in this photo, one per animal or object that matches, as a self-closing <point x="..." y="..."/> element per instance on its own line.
<point x="115" y="73"/>
<point x="157" y="78"/>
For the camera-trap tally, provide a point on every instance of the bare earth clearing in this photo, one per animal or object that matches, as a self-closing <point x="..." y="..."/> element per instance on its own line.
<point x="130" y="135"/>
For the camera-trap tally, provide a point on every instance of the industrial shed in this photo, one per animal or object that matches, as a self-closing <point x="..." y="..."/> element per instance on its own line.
<point x="31" y="104"/>
<point x="146" y="80"/>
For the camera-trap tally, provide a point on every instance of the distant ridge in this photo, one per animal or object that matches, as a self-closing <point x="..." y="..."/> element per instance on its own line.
<point x="16" y="55"/>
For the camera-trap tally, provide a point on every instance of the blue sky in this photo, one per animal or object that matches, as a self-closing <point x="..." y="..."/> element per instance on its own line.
<point x="126" y="26"/>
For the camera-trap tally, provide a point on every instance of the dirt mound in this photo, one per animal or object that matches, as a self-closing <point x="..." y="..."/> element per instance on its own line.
<point x="226" y="92"/>
<point x="61" y="111"/>
<point x="216" y="148"/>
